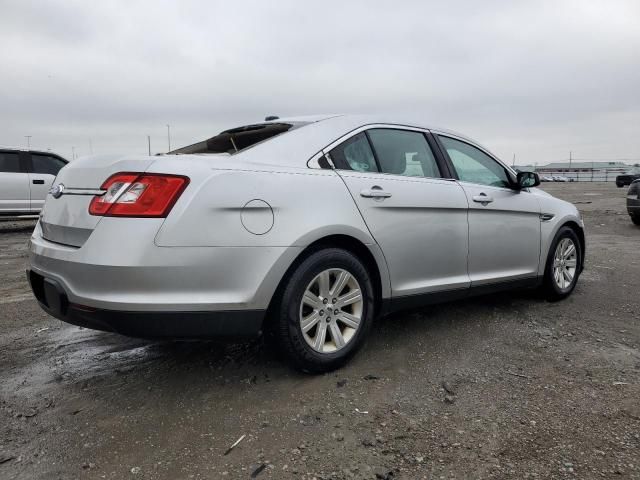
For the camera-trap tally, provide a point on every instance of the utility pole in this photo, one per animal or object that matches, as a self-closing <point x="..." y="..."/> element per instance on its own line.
<point x="149" y="143"/>
<point x="169" y="136"/>
<point x="28" y="137"/>
<point x="73" y="153"/>
<point x="514" y="160"/>
<point x="570" y="158"/>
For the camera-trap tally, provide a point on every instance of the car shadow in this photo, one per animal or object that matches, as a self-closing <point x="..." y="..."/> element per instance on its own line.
<point x="91" y="356"/>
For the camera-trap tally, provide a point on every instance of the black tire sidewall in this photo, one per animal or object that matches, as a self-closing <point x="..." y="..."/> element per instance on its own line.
<point x="289" y="330"/>
<point x="554" y="292"/>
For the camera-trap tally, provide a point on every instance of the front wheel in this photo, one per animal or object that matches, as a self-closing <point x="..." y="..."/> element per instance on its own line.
<point x="636" y="219"/>
<point x="563" y="266"/>
<point x="325" y="311"/>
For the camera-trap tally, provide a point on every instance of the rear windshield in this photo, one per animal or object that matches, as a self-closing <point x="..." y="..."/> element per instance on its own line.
<point x="237" y="139"/>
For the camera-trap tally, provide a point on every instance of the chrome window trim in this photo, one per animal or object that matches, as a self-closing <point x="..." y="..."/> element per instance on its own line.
<point x="371" y="126"/>
<point x="363" y="128"/>
<point x="313" y="162"/>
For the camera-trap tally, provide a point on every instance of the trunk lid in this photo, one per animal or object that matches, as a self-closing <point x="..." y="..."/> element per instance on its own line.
<point x="66" y="219"/>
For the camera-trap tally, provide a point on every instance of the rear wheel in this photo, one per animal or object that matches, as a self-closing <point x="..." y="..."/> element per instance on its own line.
<point x="635" y="219"/>
<point x="564" y="264"/>
<point x="325" y="310"/>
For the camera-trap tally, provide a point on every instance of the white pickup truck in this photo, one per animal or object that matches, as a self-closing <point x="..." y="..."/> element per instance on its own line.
<point x="25" y="179"/>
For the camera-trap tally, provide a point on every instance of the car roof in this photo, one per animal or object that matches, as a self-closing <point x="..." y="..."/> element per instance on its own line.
<point x="317" y="132"/>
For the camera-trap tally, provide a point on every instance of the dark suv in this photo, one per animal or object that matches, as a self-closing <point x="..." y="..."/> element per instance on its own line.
<point x="25" y="178"/>
<point x="628" y="177"/>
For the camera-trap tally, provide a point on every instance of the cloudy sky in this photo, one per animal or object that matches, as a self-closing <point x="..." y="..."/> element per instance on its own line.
<point x="536" y="79"/>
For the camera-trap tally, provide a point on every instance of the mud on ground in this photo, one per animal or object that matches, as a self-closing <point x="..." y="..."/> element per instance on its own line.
<point x="506" y="386"/>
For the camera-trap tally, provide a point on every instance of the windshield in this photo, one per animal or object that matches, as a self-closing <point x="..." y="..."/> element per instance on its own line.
<point x="237" y="139"/>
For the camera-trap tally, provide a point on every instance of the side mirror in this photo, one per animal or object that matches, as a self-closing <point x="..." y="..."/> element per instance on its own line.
<point x="527" y="180"/>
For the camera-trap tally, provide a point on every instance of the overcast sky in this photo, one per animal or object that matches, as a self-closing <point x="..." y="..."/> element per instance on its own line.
<point x="536" y="79"/>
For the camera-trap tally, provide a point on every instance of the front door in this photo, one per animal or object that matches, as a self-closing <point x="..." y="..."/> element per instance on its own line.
<point x="418" y="218"/>
<point x="504" y="224"/>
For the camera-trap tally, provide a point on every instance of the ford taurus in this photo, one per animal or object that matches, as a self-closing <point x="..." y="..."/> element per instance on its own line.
<point x="307" y="228"/>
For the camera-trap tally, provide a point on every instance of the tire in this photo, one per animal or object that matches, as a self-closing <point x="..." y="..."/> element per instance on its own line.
<point x="559" y="287"/>
<point x="635" y="219"/>
<point x="307" y="279"/>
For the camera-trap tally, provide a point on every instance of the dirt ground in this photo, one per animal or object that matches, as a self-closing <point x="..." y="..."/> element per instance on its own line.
<point x="505" y="386"/>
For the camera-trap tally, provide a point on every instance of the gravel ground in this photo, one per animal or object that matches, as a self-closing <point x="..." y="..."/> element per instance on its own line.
<point x="505" y="386"/>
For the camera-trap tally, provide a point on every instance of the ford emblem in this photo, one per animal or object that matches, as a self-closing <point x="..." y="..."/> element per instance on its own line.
<point x="57" y="190"/>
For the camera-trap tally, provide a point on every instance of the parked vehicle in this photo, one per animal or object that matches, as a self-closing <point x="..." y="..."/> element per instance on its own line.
<point x="544" y="178"/>
<point x="633" y="201"/>
<point x="560" y="178"/>
<point x="304" y="228"/>
<point x="628" y="177"/>
<point x="25" y="179"/>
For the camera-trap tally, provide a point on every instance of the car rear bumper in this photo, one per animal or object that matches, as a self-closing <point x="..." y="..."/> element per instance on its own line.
<point x="132" y="274"/>
<point x="53" y="299"/>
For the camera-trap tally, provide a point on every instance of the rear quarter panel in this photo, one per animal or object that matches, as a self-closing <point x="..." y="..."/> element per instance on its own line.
<point x="302" y="205"/>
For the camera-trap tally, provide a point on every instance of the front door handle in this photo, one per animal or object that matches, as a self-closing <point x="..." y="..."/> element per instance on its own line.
<point x="374" y="192"/>
<point x="38" y="182"/>
<point x="483" y="198"/>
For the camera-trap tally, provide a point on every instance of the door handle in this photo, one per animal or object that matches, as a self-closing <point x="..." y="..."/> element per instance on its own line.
<point x="483" y="198"/>
<point x="38" y="182"/>
<point x="374" y="192"/>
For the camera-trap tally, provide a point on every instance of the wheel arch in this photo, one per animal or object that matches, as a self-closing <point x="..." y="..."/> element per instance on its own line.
<point x="370" y="255"/>
<point x="579" y="231"/>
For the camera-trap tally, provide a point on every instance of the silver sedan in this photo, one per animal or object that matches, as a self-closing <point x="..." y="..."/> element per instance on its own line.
<point x="305" y="229"/>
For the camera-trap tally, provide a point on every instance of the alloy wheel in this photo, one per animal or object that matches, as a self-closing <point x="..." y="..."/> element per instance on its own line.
<point x="565" y="263"/>
<point x="331" y="310"/>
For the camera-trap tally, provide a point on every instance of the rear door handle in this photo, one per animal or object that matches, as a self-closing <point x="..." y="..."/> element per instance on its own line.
<point x="374" y="192"/>
<point x="482" y="198"/>
<point x="38" y="182"/>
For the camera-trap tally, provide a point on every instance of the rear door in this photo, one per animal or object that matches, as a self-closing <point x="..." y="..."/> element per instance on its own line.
<point x="504" y="224"/>
<point x="418" y="218"/>
<point x="43" y="171"/>
<point x="14" y="183"/>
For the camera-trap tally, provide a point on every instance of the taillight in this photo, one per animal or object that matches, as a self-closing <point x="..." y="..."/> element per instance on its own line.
<point x="138" y="195"/>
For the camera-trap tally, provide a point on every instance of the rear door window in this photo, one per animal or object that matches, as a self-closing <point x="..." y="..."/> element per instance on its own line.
<point x="9" y="162"/>
<point x="46" y="164"/>
<point x="403" y="152"/>
<point x="355" y="154"/>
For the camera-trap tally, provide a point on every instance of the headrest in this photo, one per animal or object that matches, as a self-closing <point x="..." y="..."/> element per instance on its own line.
<point x="400" y="164"/>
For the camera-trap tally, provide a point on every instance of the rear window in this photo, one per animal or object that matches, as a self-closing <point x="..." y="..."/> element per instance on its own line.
<point x="237" y="139"/>
<point x="9" y="162"/>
